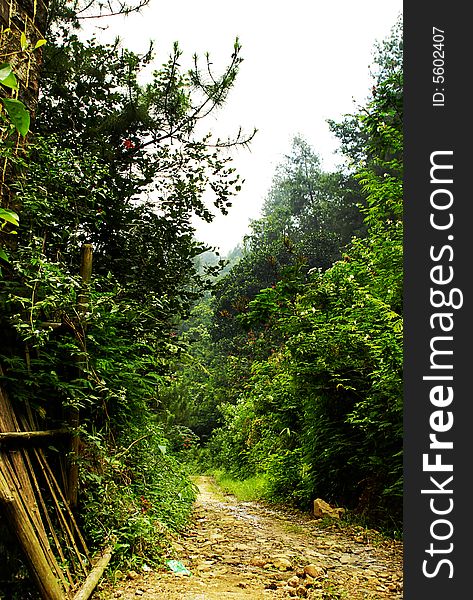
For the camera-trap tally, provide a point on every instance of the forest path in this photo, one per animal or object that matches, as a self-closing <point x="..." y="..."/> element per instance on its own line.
<point x="247" y="551"/>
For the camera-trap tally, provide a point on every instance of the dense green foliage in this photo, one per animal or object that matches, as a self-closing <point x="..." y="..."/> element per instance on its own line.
<point x="305" y="370"/>
<point x="284" y="369"/>
<point x="118" y="165"/>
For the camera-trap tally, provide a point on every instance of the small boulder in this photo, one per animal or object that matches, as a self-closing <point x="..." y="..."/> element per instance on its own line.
<point x="282" y="563"/>
<point x="314" y="571"/>
<point x="272" y="585"/>
<point x="132" y="575"/>
<point x="293" y="582"/>
<point x="322" y="509"/>
<point x="258" y="561"/>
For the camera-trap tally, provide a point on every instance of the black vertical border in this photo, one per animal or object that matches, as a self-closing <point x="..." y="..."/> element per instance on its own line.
<point x="431" y="128"/>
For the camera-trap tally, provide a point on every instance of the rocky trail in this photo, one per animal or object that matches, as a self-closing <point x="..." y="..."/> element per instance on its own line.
<point x="247" y="551"/>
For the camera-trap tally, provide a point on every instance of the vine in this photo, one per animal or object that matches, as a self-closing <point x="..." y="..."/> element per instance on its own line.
<point x="15" y="118"/>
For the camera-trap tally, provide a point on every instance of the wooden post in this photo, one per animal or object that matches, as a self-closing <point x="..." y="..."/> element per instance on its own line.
<point x="86" y="264"/>
<point x="73" y="417"/>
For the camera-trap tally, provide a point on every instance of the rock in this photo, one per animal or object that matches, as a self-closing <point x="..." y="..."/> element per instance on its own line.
<point x="300" y="572"/>
<point x="139" y="592"/>
<point x="314" y="571"/>
<point x="258" y="561"/>
<point x="293" y="582"/>
<point x="282" y="563"/>
<point x="322" y="509"/>
<point x="301" y="591"/>
<point x="309" y="581"/>
<point x="132" y="575"/>
<point x="242" y="584"/>
<point x="271" y="586"/>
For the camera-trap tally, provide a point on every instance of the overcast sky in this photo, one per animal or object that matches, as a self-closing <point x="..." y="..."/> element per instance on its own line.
<point x="305" y="61"/>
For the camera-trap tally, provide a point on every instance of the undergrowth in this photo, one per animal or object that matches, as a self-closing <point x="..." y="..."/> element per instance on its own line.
<point x="250" y="489"/>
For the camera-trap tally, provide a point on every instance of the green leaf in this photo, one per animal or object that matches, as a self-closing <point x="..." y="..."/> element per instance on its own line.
<point x="5" y="71"/>
<point x="10" y="81"/>
<point x="163" y="449"/>
<point x="3" y="255"/>
<point x="23" y="41"/>
<point x="19" y="115"/>
<point x="39" y="43"/>
<point x="9" y="215"/>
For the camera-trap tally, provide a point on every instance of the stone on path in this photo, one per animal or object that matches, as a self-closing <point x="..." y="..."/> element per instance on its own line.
<point x="322" y="509"/>
<point x="282" y="563"/>
<point x="314" y="571"/>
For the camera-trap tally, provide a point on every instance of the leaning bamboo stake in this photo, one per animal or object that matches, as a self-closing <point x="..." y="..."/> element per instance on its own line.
<point x="94" y="576"/>
<point x="27" y="512"/>
<point x="22" y="528"/>
<point x="15" y="474"/>
<point x="62" y="519"/>
<point x="51" y="528"/>
<point x="40" y="455"/>
<point x="9" y="423"/>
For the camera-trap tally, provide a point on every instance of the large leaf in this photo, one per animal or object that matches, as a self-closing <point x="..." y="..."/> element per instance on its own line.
<point x="5" y="71"/>
<point x="10" y="81"/>
<point x="19" y="115"/>
<point x="9" y="215"/>
<point x="7" y="77"/>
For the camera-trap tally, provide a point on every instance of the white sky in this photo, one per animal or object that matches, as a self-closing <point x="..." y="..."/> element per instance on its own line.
<point x="304" y="62"/>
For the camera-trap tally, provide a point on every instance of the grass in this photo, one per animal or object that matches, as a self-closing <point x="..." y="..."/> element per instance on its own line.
<point x="247" y="490"/>
<point x="294" y="528"/>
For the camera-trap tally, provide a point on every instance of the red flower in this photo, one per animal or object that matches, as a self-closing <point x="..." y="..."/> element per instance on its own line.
<point x="128" y="144"/>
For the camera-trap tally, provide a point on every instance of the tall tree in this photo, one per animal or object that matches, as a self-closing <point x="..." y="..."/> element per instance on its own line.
<point x="308" y="217"/>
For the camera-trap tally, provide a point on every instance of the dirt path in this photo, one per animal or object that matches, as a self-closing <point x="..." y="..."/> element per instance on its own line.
<point x="245" y="551"/>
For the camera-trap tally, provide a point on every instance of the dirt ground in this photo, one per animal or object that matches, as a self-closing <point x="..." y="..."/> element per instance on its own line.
<point x="246" y="551"/>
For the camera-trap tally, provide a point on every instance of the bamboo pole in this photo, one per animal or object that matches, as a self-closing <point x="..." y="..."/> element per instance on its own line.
<point x="18" y="436"/>
<point x="51" y="528"/>
<point x="94" y="576"/>
<point x="27" y="513"/>
<point x="62" y="519"/>
<point x="40" y="456"/>
<point x="17" y="480"/>
<point x="47" y="583"/>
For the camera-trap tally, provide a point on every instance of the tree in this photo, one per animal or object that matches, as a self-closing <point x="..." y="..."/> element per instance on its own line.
<point x="318" y="410"/>
<point x="387" y="65"/>
<point x="118" y="165"/>
<point x="308" y="217"/>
